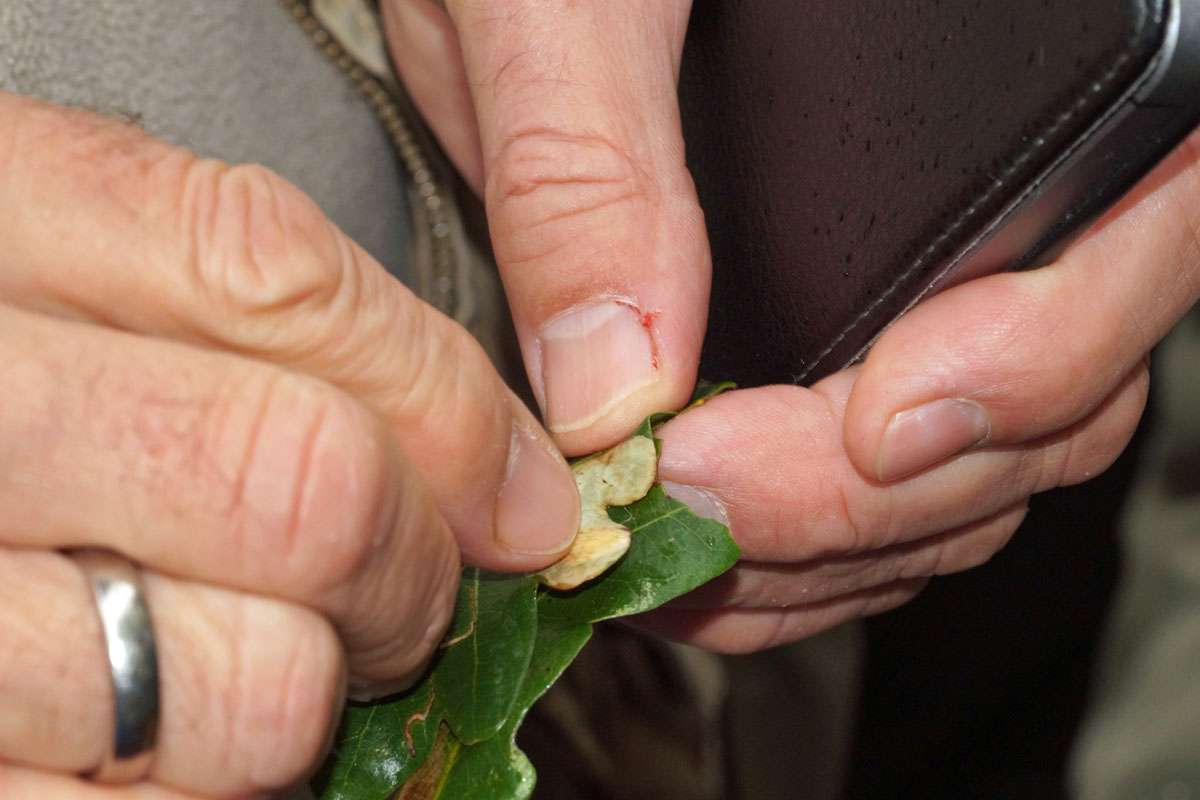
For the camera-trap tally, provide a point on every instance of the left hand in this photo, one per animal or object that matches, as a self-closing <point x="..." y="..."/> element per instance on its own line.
<point x="847" y="497"/>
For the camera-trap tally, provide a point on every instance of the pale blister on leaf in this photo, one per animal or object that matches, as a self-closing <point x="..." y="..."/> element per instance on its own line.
<point x="592" y="553"/>
<point x="673" y="551"/>
<point x="382" y="747"/>
<point x="616" y="477"/>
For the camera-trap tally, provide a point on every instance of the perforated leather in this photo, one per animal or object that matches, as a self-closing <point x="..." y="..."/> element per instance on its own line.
<point x="842" y="149"/>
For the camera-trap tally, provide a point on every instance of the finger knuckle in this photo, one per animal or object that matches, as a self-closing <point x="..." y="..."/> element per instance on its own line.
<point x="891" y="598"/>
<point x="1094" y="447"/>
<point x="743" y="588"/>
<point x="286" y="711"/>
<point x="312" y="486"/>
<point x="383" y="647"/>
<point x="1066" y="462"/>
<point x="439" y="610"/>
<point x="1058" y="462"/>
<point x="257" y="244"/>
<point x="992" y="540"/>
<point x="1035" y="469"/>
<point x="294" y="474"/>
<point x="780" y="627"/>
<point x="976" y="546"/>
<point x="1089" y="447"/>
<point x="447" y="369"/>
<point x="867" y="520"/>
<point x="551" y="191"/>
<point x="1007" y="342"/>
<point x="938" y="562"/>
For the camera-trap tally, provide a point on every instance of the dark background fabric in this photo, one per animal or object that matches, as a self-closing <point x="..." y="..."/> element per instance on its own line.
<point x="978" y="687"/>
<point x="844" y="150"/>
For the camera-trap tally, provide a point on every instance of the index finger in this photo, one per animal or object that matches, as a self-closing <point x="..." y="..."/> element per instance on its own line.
<point x="103" y="223"/>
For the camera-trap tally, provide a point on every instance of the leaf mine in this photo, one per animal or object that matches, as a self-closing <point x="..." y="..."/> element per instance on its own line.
<point x="615" y="477"/>
<point x="452" y="735"/>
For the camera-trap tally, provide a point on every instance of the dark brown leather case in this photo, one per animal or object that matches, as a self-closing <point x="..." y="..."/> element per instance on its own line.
<point x="849" y="154"/>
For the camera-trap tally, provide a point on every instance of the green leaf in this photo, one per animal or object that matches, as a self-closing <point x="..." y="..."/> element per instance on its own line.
<point x="650" y="423"/>
<point x="673" y="552"/>
<point x="496" y="769"/>
<point x="491" y="770"/>
<point x="379" y="747"/>
<point x="473" y="686"/>
<point x="556" y="647"/>
<point x="452" y="736"/>
<point x="487" y="653"/>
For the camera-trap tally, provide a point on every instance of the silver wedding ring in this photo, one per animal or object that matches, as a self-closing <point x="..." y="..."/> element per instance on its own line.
<point x="133" y="662"/>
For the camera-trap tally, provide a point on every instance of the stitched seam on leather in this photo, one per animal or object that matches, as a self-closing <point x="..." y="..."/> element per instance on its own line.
<point x="1001" y="182"/>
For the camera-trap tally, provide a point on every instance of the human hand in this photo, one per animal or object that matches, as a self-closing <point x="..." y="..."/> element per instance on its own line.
<point x="848" y="497"/>
<point x="565" y="116"/>
<point x="928" y="452"/>
<point x="202" y="373"/>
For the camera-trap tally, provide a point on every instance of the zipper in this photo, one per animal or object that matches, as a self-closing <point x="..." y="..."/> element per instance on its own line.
<point x="348" y="33"/>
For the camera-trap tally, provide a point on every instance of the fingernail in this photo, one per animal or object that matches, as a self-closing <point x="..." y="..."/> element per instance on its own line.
<point x="593" y="357"/>
<point x="923" y="436"/>
<point x="702" y="503"/>
<point x="537" y="511"/>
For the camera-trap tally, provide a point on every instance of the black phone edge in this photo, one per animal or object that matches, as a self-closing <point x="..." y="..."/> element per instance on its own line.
<point x="1138" y="131"/>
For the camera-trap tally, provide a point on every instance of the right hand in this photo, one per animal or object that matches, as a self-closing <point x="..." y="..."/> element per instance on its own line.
<point x="201" y="372"/>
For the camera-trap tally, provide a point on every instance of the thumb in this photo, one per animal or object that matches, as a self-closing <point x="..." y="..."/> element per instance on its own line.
<point x="595" y="223"/>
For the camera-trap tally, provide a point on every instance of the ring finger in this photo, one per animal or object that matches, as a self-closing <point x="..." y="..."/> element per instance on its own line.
<point x="250" y="687"/>
<point x="212" y="467"/>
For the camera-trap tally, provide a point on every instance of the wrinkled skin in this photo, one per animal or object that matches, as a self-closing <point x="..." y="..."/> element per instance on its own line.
<point x="201" y="372"/>
<point x="245" y="403"/>
<point x="848" y="497"/>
